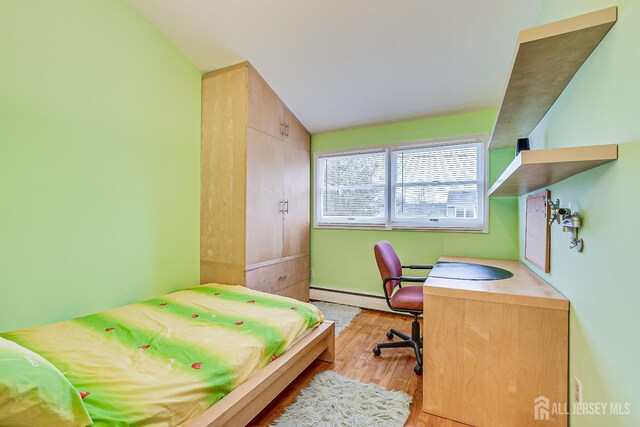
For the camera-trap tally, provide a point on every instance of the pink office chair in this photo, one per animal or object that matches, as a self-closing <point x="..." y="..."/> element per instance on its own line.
<point x="406" y="300"/>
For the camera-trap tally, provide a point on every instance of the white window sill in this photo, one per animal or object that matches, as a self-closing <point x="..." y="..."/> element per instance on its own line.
<point x="397" y="227"/>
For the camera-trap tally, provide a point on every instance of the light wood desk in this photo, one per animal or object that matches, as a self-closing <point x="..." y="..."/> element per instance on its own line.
<point x="492" y="347"/>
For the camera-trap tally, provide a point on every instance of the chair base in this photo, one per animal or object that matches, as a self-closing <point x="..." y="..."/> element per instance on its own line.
<point x="414" y="341"/>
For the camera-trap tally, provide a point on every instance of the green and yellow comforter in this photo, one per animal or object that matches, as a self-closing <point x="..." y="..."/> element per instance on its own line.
<point x="166" y="360"/>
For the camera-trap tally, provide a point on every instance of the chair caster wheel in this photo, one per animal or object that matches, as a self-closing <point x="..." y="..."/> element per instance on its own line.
<point x="376" y="351"/>
<point x="418" y="370"/>
<point x="390" y="335"/>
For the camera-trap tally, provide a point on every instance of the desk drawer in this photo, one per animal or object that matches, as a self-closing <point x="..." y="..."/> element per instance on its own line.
<point x="275" y="277"/>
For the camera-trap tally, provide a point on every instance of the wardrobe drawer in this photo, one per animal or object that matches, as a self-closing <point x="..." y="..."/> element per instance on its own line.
<point x="299" y="291"/>
<point x="274" y="277"/>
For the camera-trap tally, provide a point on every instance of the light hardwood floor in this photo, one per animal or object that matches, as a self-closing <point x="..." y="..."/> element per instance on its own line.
<point x="354" y="359"/>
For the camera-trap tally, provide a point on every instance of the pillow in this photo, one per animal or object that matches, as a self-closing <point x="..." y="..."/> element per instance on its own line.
<point x="33" y="392"/>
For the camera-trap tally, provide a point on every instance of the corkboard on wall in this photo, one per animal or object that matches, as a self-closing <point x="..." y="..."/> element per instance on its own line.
<point x="537" y="230"/>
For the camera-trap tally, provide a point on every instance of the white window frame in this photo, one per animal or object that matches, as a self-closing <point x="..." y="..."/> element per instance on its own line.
<point x="389" y="222"/>
<point x="351" y="221"/>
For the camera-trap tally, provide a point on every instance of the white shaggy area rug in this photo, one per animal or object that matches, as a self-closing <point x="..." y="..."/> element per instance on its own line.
<point x="333" y="400"/>
<point x="341" y="314"/>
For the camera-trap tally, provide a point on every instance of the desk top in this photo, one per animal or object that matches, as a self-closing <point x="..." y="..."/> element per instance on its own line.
<point x="524" y="288"/>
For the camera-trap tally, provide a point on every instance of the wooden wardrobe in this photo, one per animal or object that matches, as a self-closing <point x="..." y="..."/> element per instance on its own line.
<point x="254" y="218"/>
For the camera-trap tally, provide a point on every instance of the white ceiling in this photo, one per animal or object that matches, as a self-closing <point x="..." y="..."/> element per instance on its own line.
<point x="348" y="63"/>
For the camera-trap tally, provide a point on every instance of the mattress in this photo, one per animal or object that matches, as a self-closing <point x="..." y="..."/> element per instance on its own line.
<point x="166" y="360"/>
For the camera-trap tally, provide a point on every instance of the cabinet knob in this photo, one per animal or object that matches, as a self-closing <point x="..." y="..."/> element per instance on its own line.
<point x="286" y="206"/>
<point x="286" y="129"/>
<point x="282" y="128"/>
<point x="281" y="206"/>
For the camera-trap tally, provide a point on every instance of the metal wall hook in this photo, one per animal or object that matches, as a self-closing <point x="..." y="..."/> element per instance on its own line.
<point x="554" y="211"/>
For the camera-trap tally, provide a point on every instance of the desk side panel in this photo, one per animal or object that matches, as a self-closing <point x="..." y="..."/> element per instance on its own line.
<point x="486" y="363"/>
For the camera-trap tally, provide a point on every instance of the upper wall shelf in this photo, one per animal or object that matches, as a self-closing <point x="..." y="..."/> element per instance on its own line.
<point x="535" y="169"/>
<point x="546" y="59"/>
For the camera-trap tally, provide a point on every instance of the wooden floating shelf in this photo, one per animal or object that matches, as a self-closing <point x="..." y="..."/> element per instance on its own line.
<point x="546" y="59"/>
<point x="535" y="169"/>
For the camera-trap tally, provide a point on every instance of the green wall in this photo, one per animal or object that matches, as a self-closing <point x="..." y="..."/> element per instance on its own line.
<point x="343" y="259"/>
<point x="600" y="106"/>
<point x="99" y="160"/>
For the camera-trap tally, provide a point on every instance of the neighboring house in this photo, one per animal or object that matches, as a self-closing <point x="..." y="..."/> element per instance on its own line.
<point x="462" y="204"/>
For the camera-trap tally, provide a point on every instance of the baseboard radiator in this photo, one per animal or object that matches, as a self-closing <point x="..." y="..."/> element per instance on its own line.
<point x="373" y="302"/>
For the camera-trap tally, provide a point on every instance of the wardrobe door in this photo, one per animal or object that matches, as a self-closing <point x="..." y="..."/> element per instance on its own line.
<point x="265" y="111"/>
<point x="265" y="165"/>
<point x="294" y="132"/>
<point x="296" y="195"/>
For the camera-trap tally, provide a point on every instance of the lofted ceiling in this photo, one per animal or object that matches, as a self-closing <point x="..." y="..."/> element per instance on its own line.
<point x="349" y="63"/>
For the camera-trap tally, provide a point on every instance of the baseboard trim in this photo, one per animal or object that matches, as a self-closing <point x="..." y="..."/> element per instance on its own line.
<point x="373" y="302"/>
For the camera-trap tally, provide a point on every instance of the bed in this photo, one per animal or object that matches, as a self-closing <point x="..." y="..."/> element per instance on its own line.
<point x="206" y="356"/>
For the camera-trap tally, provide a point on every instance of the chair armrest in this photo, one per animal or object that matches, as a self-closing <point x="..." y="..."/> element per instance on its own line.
<point x="418" y="266"/>
<point x="413" y="279"/>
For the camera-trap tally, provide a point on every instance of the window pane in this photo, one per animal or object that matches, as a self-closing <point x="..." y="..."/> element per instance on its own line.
<point x="436" y="183"/>
<point x="352" y="187"/>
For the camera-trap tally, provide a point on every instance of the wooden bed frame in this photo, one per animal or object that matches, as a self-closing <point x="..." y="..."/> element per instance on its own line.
<point x="240" y="406"/>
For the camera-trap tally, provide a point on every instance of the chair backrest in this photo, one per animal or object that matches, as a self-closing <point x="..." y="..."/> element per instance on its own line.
<point x="388" y="264"/>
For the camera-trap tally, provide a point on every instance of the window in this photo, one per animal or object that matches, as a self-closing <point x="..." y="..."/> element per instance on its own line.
<point x="352" y="188"/>
<point x="438" y="185"/>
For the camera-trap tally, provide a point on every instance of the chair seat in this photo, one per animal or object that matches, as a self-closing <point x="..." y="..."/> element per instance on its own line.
<point x="408" y="298"/>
